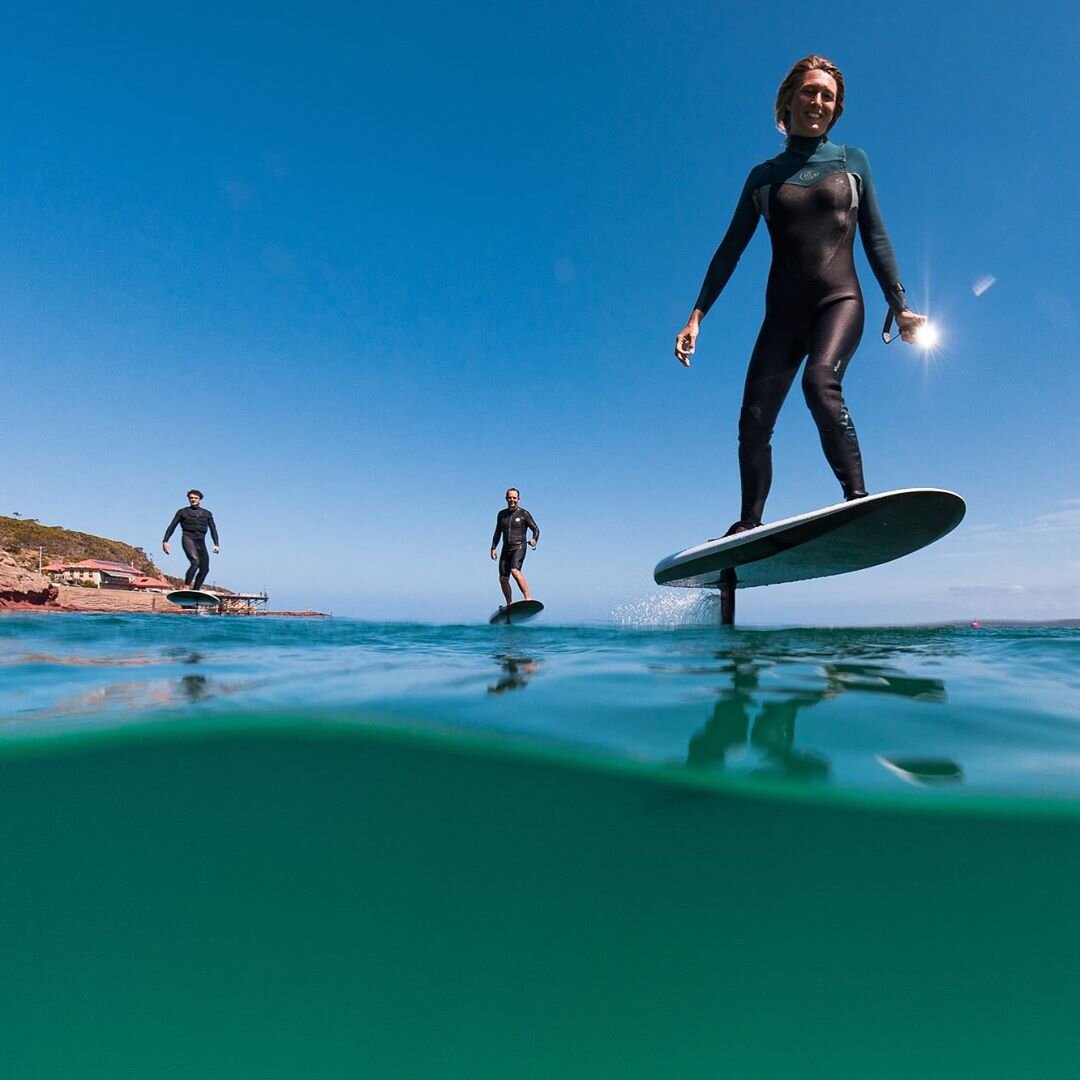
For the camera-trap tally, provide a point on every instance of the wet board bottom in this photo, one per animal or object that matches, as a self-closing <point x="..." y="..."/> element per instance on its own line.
<point x="835" y="540"/>
<point x="517" y="612"/>
<point x="193" y="598"/>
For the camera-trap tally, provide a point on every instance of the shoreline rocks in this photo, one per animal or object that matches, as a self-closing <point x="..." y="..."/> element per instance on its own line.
<point x="21" y="588"/>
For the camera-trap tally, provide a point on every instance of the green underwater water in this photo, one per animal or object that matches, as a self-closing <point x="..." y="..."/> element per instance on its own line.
<point x="300" y="899"/>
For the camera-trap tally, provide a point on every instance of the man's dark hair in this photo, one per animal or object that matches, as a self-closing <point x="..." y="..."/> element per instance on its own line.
<point x="196" y="491"/>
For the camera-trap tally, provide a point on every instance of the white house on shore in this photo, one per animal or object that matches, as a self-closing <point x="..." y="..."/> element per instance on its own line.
<point x="99" y="574"/>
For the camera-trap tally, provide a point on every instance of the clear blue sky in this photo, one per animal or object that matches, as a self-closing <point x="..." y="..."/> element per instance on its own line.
<point x="353" y="270"/>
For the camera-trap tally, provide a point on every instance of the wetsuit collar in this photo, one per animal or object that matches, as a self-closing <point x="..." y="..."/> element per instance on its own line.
<point x="806" y="144"/>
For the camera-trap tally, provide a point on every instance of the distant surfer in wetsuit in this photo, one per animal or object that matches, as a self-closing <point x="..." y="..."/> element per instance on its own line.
<point x="811" y="196"/>
<point x="511" y="525"/>
<point x="193" y="520"/>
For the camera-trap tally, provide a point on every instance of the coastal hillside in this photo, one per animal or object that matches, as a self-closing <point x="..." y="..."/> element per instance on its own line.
<point x="26" y="539"/>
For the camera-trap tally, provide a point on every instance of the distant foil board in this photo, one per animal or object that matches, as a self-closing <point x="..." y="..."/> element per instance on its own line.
<point x="836" y="540"/>
<point x="517" y="612"/>
<point x="193" y="599"/>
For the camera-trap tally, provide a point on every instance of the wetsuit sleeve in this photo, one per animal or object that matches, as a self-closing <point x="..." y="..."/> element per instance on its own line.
<point x="532" y="525"/>
<point x="875" y="239"/>
<point x="213" y="531"/>
<point x="172" y="527"/>
<point x="497" y="533"/>
<point x="743" y="223"/>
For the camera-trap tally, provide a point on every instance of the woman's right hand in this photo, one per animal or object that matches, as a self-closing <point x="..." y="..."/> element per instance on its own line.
<point x="686" y="342"/>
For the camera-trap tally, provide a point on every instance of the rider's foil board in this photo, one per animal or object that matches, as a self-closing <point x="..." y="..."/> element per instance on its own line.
<point x="836" y="540"/>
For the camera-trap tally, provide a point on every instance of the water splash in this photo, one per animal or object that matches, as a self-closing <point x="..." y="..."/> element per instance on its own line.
<point x="671" y="607"/>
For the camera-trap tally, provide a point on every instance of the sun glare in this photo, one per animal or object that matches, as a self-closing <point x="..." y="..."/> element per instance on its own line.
<point x="927" y="336"/>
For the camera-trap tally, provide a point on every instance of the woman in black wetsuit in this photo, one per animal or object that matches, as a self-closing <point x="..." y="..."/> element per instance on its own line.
<point x="812" y="196"/>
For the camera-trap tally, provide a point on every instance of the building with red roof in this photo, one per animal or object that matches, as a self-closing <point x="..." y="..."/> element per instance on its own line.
<point x="152" y="584"/>
<point x="95" y="573"/>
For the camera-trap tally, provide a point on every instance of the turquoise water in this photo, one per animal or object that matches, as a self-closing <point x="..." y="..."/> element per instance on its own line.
<point x="957" y="710"/>
<point x="272" y="849"/>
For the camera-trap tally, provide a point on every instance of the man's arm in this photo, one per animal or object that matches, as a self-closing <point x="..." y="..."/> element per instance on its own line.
<point x="498" y="531"/>
<point x="213" y="529"/>
<point x="172" y="527"/>
<point x="535" y="528"/>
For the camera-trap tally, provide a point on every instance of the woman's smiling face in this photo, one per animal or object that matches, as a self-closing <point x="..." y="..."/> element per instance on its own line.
<point x="813" y="105"/>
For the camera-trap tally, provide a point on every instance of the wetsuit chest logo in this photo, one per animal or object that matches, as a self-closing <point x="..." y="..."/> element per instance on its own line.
<point x="809" y="174"/>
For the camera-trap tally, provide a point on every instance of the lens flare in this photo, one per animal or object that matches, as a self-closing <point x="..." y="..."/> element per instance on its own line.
<point x="927" y="336"/>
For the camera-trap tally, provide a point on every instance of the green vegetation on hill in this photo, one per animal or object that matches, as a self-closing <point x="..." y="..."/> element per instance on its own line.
<point x="22" y="538"/>
<point x="25" y="539"/>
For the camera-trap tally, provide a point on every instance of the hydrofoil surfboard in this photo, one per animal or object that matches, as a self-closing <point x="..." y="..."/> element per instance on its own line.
<point x="194" y="600"/>
<point x="835" y="540"/>
<point x="517" y="612"/>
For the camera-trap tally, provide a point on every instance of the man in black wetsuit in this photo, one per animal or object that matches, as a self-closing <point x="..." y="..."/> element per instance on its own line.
<point x="511" y="525"/>
<point x="812" y="196"/>
<point x="193" y="520"/>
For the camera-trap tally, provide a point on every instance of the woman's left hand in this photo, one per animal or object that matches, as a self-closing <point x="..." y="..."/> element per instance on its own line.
<point x="909" y="323"/>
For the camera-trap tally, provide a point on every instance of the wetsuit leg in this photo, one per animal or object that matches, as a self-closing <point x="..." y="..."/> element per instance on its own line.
<point x="834" y="337"/>
<point x="510" y="559"/>
<point x="198" y="561"/>
<point x="189" y="544"/>
<point x="777" y="354"/>
<point x="204" y="565"/>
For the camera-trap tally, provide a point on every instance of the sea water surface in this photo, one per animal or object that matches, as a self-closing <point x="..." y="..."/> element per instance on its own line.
<point x="954" y="709"/>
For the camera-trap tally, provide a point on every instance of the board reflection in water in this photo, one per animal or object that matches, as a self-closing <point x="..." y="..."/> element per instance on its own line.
<point x="748" y="717"/>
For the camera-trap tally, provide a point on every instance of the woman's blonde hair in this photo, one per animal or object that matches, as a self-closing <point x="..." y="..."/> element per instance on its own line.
<point x="793" y="80"/>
